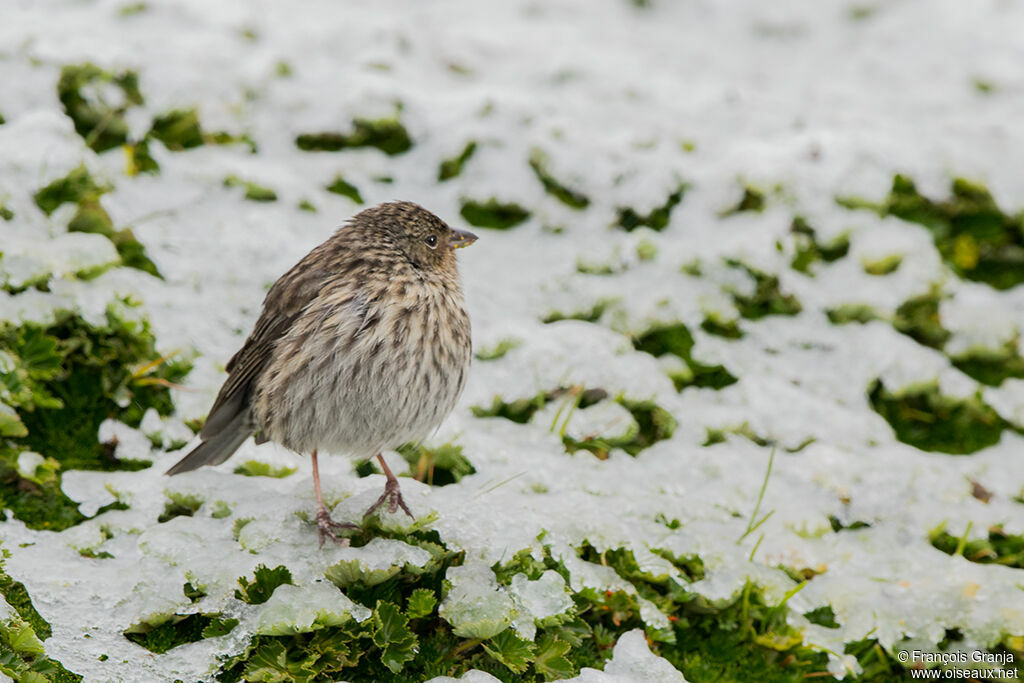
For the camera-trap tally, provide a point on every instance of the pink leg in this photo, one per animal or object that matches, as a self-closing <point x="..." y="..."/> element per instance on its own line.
<point x="324" y="524"/>
<point x="392" y="492"/>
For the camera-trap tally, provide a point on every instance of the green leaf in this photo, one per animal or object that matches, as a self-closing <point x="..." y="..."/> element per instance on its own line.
<point x="551" y="662"/>
<point x="219" y="627"/>
<point x="263" y="585"/>
<point x="346" y="189"/>
<point x="391" y="633"/>
<point x="511" y="650"/>
<point x="421" y="603"/>
<point x="38" y="351"/>
<point x="23" y="639"/>
<point x="574" y="631"/>
<point x="270" y="665"/>
<point x="452" y="167"/>
<point x="331" y="645"/>
<point x="10" y="423"/>
<point x="254" y="468"/>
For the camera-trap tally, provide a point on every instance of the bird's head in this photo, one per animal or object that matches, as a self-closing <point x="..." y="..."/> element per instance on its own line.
<point x="421" y="237"/>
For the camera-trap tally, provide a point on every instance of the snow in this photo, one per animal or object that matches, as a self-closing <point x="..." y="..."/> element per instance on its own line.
<point x="796" y="94"/>
<point x="294" y="609"/>
<point x="476" y="606"/>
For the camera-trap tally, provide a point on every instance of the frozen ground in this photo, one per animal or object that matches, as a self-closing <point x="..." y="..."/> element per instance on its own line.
<point x="806" y="100"/>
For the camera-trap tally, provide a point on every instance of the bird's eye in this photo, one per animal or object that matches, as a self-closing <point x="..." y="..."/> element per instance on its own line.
<point x="431" y="241"/>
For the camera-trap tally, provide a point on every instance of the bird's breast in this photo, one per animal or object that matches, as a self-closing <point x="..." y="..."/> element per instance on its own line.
<point x="368" y="373"/>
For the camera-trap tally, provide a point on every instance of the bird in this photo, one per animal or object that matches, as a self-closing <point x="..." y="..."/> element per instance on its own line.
<point x="362" y="346"/>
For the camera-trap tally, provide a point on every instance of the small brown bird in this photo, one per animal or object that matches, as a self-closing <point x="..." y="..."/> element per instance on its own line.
<point x="362" y="346"/>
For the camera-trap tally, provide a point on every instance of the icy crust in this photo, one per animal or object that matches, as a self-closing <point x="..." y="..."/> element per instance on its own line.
<point x="599" y="92"/>
<point x="294" y="609"/>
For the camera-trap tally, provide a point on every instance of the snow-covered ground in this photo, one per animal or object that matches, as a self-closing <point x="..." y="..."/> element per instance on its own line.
<point x="817" y="99"/>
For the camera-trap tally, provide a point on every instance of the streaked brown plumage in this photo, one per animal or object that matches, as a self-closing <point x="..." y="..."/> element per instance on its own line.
<point x="362" y="346"/>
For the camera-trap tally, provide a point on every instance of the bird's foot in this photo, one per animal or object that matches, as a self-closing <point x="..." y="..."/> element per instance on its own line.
<point x="326" y="526"/>
<point x="392" y="494"/>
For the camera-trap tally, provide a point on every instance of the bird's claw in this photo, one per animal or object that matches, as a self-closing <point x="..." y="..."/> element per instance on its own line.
<point x="392" y="494"/>
<point x="325" y="527"/>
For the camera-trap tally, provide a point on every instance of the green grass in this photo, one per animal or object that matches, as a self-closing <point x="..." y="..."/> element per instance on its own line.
<point x="677" y="340"/>
<point x="387" y="135"/>
<point x="493" y="214"/>
<point x="179" y="505"/>
<point x="519" y="411"/>
<point x="729" y="329"/>
<point x="810" y="250"/>
<point x="101" y="123"/>
<point x="452" y="167"/>
<point x="657" y="219"/>
<point x="752" y="201"/>
<point x="993" y="367"/>
<point x="74" y="188"/>
<point x="654" y="424"/>
<point x="883" y="266"/>
<point x="997" y="547"/>
<point x="767" y="298"/>
<point x="926" y="419"/>
<point x="918" y="318"/>
<point x="179" y="629"/>
<point x="254" y="192"/>
<point x="976" y="238"/>
<point x="79" y="187"/>
<point x="498" y="350"/>
<point x="591" y="315"/>
<point x="346" y="189"/>
<point x="439" y="466"/>
<point x="574" y="199"/>
<point x="178" y="129"/>
<point x="254" y="468"/>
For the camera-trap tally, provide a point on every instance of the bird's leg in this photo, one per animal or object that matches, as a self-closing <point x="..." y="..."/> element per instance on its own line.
<point x="392" y="493"/>
<point x="325" y="526"/>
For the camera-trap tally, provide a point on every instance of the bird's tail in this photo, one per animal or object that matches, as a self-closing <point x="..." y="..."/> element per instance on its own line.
<point x="217" y="448"/>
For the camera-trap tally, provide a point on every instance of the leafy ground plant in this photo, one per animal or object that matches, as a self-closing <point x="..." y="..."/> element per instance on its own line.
<point x="656" y="219"/>
<point x="975" y="237"/>
<point x="452" y="167"/>
<point x="405" y="639"/>
<point x="653" y="423"/>
<point x="932" y="422"/>
<point x="58" y="382"/>
<point x="676" y="339"/>
<point x="574" y="199"/>
<point x="80" y="188"/>
<point x="493" y="214"/>
<point x="98" y="117"/>
<point x="387" y="135"/>
<point x="22" y="635"/>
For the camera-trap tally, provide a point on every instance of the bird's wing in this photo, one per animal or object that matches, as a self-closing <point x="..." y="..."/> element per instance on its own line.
<point x="283" y="304"/>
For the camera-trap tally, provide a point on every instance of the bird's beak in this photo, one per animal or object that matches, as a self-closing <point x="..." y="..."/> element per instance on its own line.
<point x="462" y="238"/>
